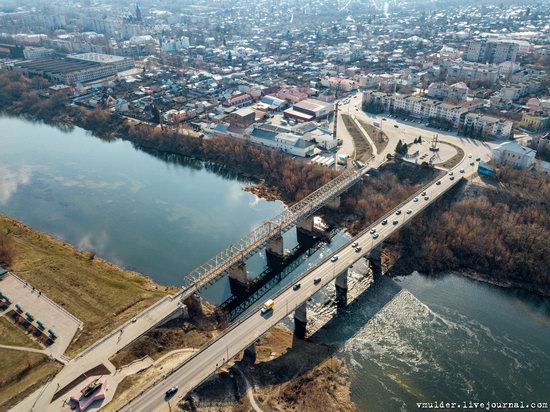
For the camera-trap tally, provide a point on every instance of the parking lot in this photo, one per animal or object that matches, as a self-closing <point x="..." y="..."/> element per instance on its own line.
<point x="45" y="315"/>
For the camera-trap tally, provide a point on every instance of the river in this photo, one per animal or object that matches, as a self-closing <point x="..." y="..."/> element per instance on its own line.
<point x="407" y="340"/>
<point x="159" y="216"/>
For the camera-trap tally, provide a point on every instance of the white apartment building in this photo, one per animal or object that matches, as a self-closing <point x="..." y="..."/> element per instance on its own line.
<point x="488" y="126"/>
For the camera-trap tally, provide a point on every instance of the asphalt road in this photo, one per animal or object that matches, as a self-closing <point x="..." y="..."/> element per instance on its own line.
<point x="205" y="363"/>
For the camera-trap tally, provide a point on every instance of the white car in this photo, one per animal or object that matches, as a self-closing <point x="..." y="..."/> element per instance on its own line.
<point x="354" y="244"/>
<point x="334" y="258"/>
<point x="409" y="211"/>
<point x="461" y="170"/>
<point x="415" y="199"/>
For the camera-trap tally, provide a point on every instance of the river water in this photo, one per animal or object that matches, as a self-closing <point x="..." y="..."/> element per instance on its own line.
<point x="406" y="341"/>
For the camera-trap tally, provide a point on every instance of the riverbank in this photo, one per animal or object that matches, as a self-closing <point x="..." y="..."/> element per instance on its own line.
<point x="99" y="293"/>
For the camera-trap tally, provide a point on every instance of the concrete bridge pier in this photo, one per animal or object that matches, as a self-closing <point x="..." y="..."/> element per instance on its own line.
<point x="341" y="284"/>
<point x="333" y="203"/>
<point x="375" y="262"/>
<point x="249" y="354"/>
<point x="300" y="321"/>
<point x="275" y="252"/>
<point x="238" y="278"/>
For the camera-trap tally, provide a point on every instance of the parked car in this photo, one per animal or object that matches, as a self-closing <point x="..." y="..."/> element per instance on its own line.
<point x="426" y="197"/>
<point x="415" y="199"/>
<point x="461" y="170"/>
<point x="296" y="286"/>
<point x="375" y="236"/>
<point x="385" y="221"/>
<point x="372" y="231"/>
<point x="358" y="249"/>
<point x="334" y="258"/>
<point x="396" y="126"/>
<point x="438" y="182"/>
<point x="409" y="211"/>
<point x="398" y="212"/>
<point x="395" y="222"/>
<point x="354" y="244"/>
<point x="317" y="280"/>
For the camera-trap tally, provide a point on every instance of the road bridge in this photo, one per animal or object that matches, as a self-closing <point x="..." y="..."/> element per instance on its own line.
<point x="246" y="331"/>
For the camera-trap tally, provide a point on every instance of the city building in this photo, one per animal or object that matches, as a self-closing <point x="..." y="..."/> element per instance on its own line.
<point x="31" y="53"/>
<point x="309" y="109"/>
<point x="174" y="44"/>
<point x="490" y="51"/>
<point x="119" y="63"/>
<point x="535" y="123"/>
<point x="514" y="154"/>
<point x="281" y="139"/>
<point x="487" y="126"/>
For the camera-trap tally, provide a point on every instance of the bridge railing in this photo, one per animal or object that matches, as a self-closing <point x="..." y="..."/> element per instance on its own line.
<point x="211" y="270"/>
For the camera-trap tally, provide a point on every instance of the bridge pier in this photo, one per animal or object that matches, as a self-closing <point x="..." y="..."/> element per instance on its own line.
<point x="333" y="203"/>
<point x="375" y="261"/>
<point x="238" y="278"/>
<point x="275" y="252"/>
<point x="300" y="321"/>
<point x="250" y="353"/>
<point x="341" y="284"/>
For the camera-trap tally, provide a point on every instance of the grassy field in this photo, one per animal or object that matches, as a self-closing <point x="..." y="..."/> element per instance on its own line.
<point x="11" y="334"/>
<point x="377" y="136"/>
<point x="100" y="294"/>
<point x="363" y="151"/>
<point x="21" y="373"/>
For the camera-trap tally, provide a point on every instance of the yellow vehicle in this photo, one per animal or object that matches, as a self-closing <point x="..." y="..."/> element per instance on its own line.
<point x="267" y="306"/>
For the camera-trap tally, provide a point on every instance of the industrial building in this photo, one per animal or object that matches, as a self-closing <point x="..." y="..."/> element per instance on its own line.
<point x="73" y="69"/>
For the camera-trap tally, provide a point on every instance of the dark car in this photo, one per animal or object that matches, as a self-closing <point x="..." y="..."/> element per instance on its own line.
<point x="385" y="221"/>
<point x="170" y="392"/>
<point x="396" y="126"/>
<point x="296" y="286"/>
<point x="395" y="222"/>
<point x="358" y="249"/>
<point x="316" y="280"/>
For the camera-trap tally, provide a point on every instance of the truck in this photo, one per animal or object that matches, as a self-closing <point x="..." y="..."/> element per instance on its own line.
<point x="267" y="306"/>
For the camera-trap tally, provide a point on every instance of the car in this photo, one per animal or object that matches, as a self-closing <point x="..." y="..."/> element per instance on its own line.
<point x="461" y="170"/>
<point x="472" y="163"/>
<point x="385" y="222"/>
<point x="396" y="126"/>
<point x="134" y="320"/>
<point x="316" y="280"/>
<point x="358" y="249"/>
<point x="478" y="159"/>
<point x="395" y="222"/>
<point x="423" y="194"/>
<point x="296" y="286"/>
<point x="354" y="244"/>
<point x="452" y="178"/>
<point x="334" y="258"/>
<point x="451" y="173"/>
<point x="372" y="231"/>
<point x="415" y="199"/>
<point x="426" y="197"/>
<point x="409" y="211"/>
<point x="375" y="236"/>
<point x="398" y="212"/>
<point x="438" y="182"/>
<point x="170" y="392"/>
<point x="469" y="155"/>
